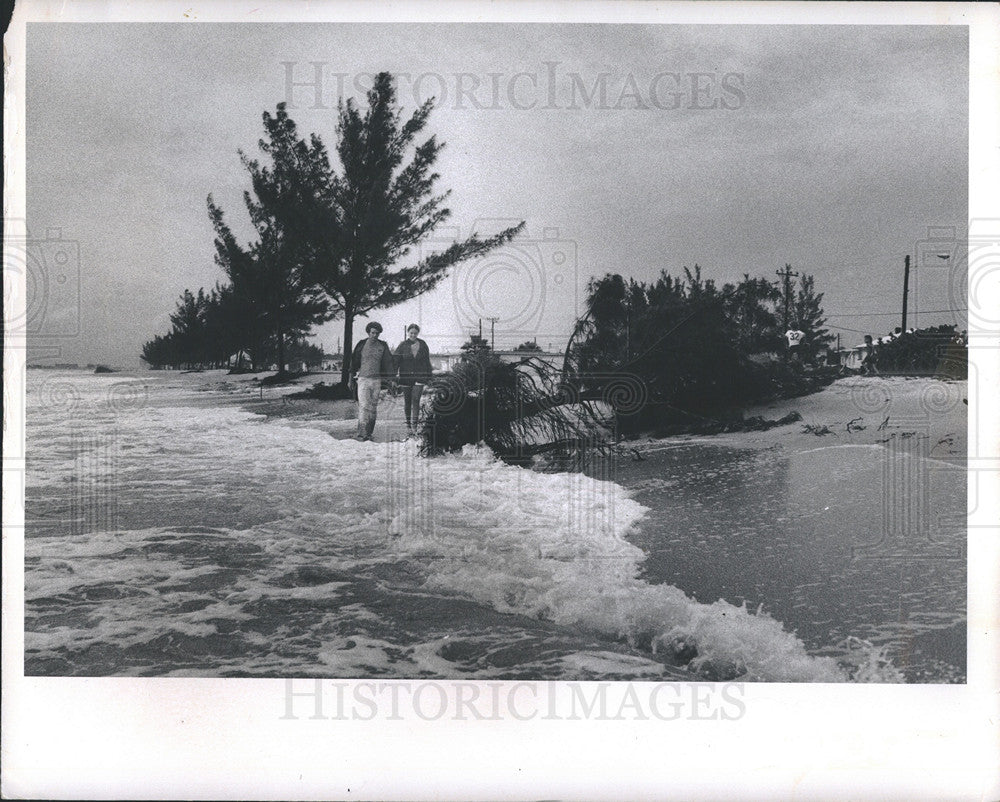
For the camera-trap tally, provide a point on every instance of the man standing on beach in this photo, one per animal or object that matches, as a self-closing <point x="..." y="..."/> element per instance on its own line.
<point x="794" y="335"/>
<point x="868" y="363"/>
<point x="371" y="363"/>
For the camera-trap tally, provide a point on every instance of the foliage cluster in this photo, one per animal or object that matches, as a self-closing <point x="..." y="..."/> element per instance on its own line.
<point x="935" y="351"/>
<point x="329" y="241"/>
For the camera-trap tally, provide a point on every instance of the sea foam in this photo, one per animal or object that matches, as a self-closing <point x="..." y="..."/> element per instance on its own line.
<point x="287" y="498"/>
<point x="553" y="546"/>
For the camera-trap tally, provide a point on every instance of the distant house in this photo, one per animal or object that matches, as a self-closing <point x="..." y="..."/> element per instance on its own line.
<point x="442" y="363"/>
<point x="852" y="357"/>
<point x="332" y="363"/>
<point x="554" y="358"/>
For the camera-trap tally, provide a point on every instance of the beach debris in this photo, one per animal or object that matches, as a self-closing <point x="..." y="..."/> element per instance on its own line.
<point x="637" y="455"/>
<point x="818" y="430"/>
<point x="852" y="425"/>
<point x="884" y="424"/>
<point x="947" y="440"/>
<point x="758" y="423"/>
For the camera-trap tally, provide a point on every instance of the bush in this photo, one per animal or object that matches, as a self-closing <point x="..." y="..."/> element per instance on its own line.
<point x="926" y="352"/>
<point x="518" y="410"/>
<point x="325" y="392"/>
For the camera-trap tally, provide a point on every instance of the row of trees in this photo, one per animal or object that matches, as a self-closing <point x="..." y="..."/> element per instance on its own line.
<point x="623" y="316"/>
<point x="327" y="241"/>
<point x="693" y="349"/>
<point x="645" y="355"/>
<point x="938" y="350"/>
<point x="210" y="329"/>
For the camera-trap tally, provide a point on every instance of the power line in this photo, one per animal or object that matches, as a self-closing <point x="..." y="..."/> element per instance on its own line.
<point x="845" y="328"/>
<point x="878" y="314"/>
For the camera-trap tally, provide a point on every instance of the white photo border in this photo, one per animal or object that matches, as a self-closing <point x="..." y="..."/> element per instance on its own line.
<point x="227" y="738"/>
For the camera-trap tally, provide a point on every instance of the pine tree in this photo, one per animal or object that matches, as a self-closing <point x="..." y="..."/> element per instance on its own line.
<point x="809" y="316"/>
<point x="752" y="305"/>
<point x="160" y="352"/>
<point x="357" y="224"/>
<point x="188" y="321"/>
<point x="271" y="277"/>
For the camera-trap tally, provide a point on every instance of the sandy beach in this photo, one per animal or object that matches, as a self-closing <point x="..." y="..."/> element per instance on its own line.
<point x="848" y="523"/>
<point x="914" y="414"/>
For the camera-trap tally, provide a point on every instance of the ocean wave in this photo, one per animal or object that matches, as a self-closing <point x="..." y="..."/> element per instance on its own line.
<point x="240" y="512"/>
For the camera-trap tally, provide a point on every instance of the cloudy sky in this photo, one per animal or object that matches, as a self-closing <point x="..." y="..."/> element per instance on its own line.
<point x="628" y="149"/>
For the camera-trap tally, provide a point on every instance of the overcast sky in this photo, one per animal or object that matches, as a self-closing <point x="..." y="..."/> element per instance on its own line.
<point x="741" y="149"/>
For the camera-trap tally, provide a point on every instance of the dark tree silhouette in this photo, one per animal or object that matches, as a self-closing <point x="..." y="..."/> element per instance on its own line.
<point x="160" y="351"/>
<point x="809" y="315"/>
<point x="271" y="277"/>
<point x="357" y="224"/>
<point x="752" y="304"/>
<point x="188" y="321"/>
<point x="476" y="344"/>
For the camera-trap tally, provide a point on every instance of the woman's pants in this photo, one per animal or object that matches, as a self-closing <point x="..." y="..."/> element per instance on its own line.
<point x="411" y="401"/>
<point x="368" y="390"/>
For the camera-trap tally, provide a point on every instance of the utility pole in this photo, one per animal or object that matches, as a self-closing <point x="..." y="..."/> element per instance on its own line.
<point x="480" y="328"/>
<point x="906" y="286"/>
<point x="492" y="321"/>
<point x="628" y="330"/>
<point x="787" y="275"/>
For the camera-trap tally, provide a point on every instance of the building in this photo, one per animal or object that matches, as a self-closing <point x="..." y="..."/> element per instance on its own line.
<point x="852" y="357"/>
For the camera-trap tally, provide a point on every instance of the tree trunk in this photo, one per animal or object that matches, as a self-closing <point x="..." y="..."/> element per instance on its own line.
<point x="281" y="351"/>
<point x="345" y="370"/>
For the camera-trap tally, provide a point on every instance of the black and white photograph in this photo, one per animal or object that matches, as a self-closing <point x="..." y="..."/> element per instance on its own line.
<point x="501" y="369"/>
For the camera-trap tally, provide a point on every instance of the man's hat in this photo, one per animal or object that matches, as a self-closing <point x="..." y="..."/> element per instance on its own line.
<point x="373" y="325"/>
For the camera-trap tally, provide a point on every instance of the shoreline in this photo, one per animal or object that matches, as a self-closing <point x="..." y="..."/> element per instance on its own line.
<point x="917" y="415"/>
<point x="920" y="416"/>
<point x="762" y="518"/>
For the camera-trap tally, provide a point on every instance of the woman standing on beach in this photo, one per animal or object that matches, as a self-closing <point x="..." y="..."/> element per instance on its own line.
<point x="413" y="363"/>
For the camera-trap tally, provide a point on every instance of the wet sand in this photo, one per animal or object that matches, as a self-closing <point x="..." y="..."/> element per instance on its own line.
<point x="915" y="415"/>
